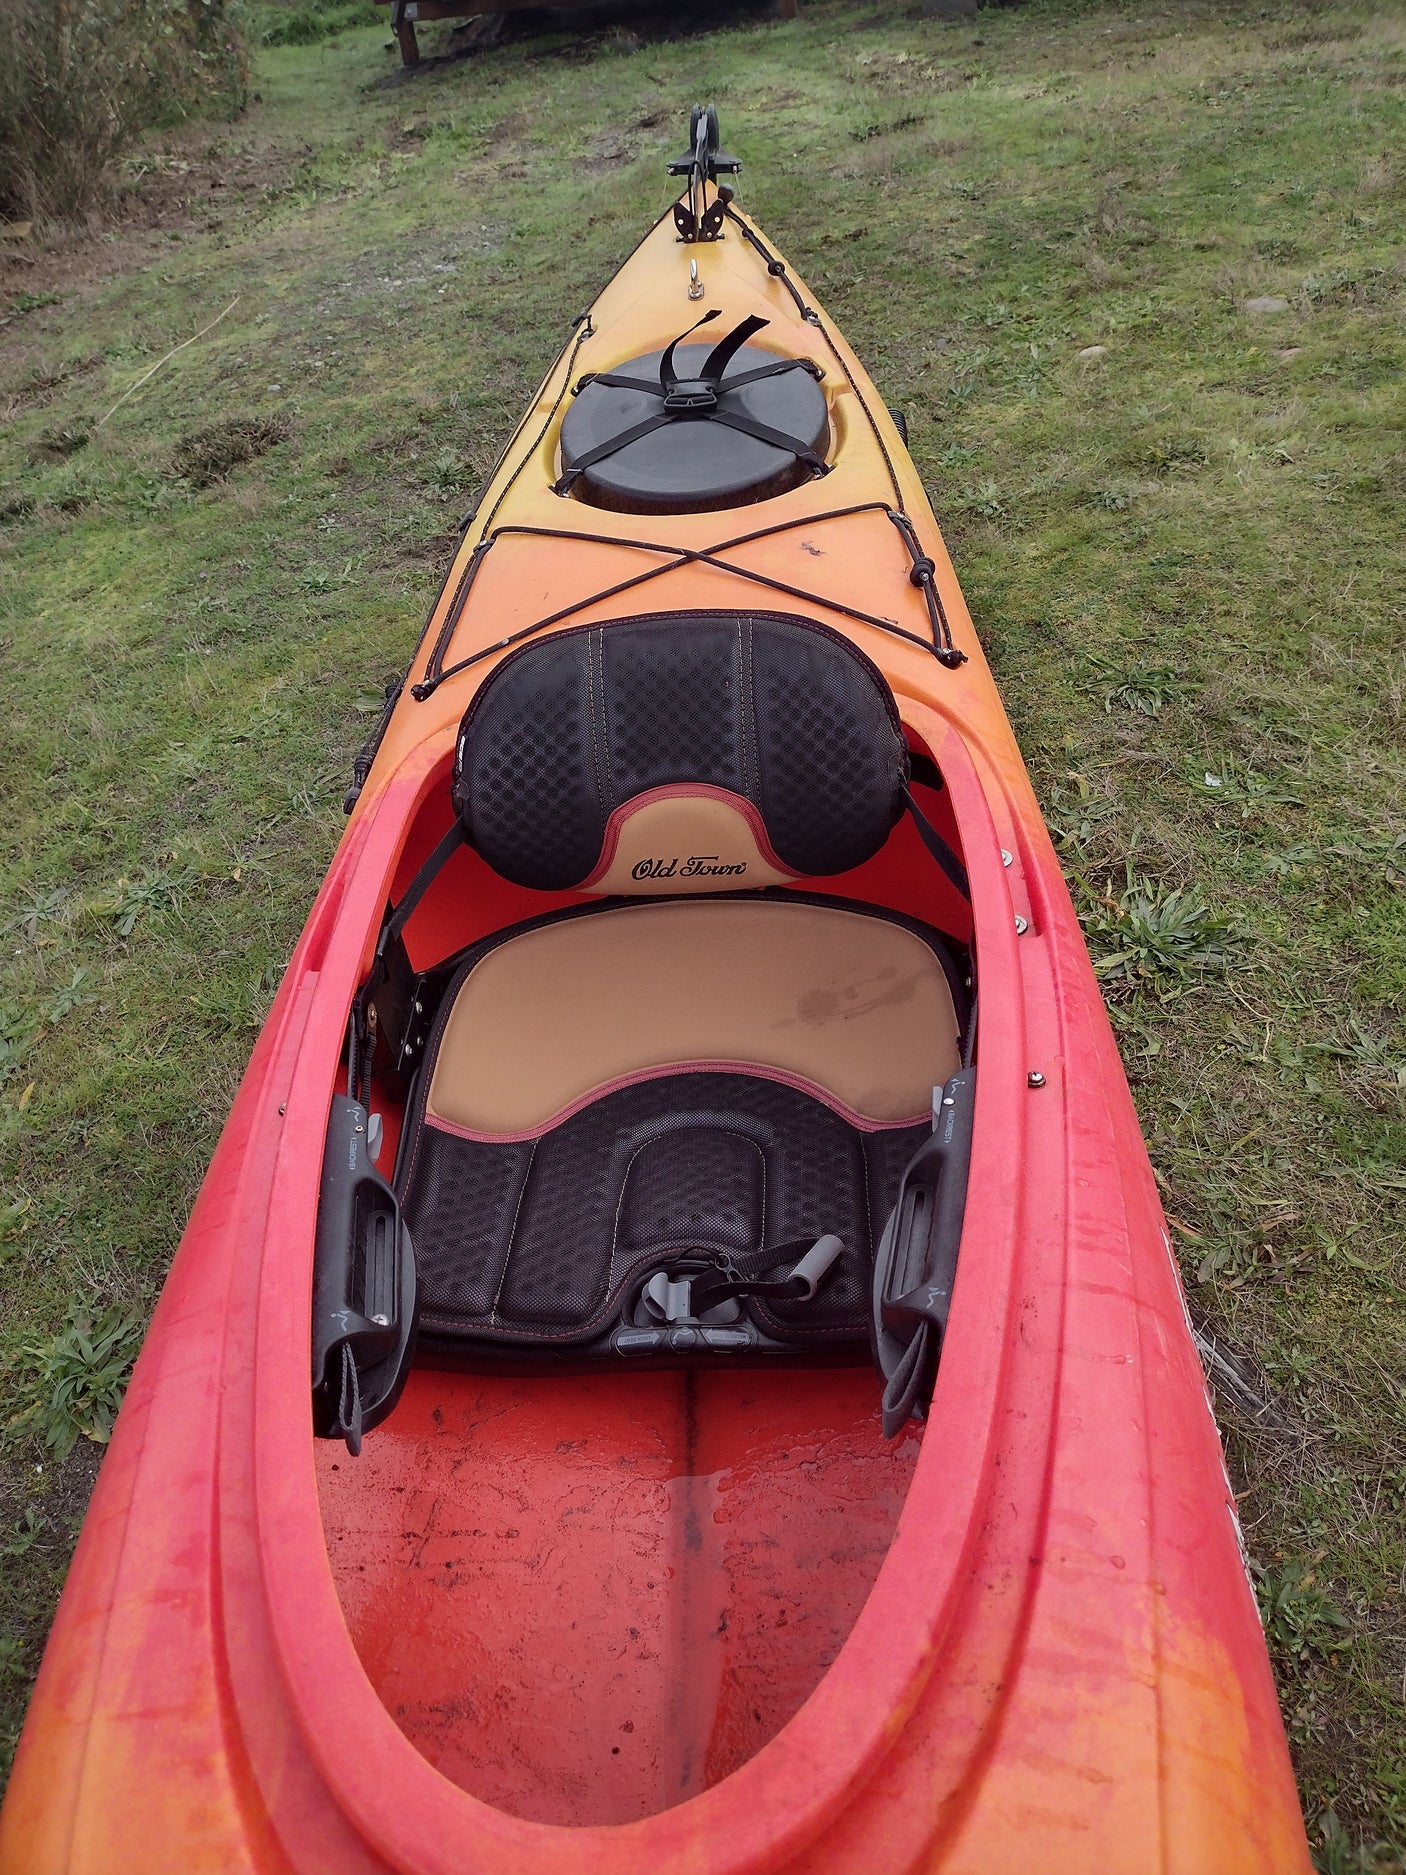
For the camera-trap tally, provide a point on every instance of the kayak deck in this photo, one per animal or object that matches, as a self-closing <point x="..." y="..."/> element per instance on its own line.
<point x="586" y="1599"/>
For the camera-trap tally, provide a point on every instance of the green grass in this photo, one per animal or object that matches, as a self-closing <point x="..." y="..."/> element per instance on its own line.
<point x="1178" y="525"/>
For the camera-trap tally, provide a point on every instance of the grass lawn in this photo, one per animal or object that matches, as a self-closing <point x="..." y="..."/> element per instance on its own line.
<point x="1179" y="525"/>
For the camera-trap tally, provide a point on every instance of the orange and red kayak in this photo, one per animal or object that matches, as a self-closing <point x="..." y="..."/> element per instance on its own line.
<point x="677" y="1363"/>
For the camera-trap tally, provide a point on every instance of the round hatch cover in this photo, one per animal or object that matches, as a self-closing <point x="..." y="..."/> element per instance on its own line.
<point x="694" y="461"/>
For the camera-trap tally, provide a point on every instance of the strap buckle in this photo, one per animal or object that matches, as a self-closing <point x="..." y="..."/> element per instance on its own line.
<point x="691" y="396"/>
<point x="668" y="1299"/>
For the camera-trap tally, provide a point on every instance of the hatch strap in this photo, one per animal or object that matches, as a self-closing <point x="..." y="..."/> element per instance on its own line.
<point x="668" y="377"/>
<point x="622" y="381"/>
<point x="778" y="439"/>
<point x="727" y="348"/>
<point x="616" y="443"/>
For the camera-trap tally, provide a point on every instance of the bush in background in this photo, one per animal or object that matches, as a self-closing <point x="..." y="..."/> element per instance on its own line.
<point x="79" y="79"/>
<point x="304" y="22"/>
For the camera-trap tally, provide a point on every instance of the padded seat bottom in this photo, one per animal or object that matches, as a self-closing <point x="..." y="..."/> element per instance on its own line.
<point x="540" y="1241"/>
<point x="540" y="1197"/>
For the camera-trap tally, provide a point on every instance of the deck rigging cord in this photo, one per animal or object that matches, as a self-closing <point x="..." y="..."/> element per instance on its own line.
<point x="696" y="220"/>
<point x="436" y="672"/>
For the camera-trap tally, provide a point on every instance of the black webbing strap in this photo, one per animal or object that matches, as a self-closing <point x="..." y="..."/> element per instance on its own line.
<point x="778" y="439"/>
<point x="727" y="348"/>
<point x="421" y="883"/>
<point x="955" y="871"/>
<point x="730" y="419"/>
<point x="926" y="771"/>
<point x="774" y="369"/>
<point x="622" y="381"/>
<point x="745" y="1275"/>
<point x="710" y="379"/>
<point x="645" y="427"/>
<point x="904" y="1388"/>
<point x="668" y="377"/>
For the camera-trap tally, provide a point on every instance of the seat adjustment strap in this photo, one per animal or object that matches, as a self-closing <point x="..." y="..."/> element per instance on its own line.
<point x="955" y="871"/>
<point x="742" y="1276"/>
<point x="421" y="883"/>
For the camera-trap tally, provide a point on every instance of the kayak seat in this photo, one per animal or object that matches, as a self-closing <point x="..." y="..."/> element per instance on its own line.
<point x="677" y="1117"/>
<point x="704" y="1110"/>
<point x="670" y="1086"/>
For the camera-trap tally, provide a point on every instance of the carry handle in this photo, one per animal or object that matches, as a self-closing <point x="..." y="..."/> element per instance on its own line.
<point x="363" y="1293"/>
<point x="916" y="1265"/>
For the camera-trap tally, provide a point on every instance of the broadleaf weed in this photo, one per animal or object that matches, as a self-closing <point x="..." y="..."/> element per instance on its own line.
<point x="71" y="1385"/>
<point x="1153" y="936"/>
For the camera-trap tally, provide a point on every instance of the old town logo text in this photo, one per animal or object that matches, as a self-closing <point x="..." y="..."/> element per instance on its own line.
<point x="696" y="866"/>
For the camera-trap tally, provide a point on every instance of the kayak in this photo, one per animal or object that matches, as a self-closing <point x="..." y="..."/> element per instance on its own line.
<point x="677" y="1363"/>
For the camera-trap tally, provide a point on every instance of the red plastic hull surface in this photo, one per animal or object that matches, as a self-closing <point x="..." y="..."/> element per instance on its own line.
<point x="587" y="1599"/>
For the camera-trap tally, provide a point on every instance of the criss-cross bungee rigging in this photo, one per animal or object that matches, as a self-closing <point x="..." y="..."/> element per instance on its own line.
<point x="691" y="399"/>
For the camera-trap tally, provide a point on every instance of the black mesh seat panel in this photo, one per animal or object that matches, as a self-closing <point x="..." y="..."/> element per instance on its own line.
<point x="780" y="712"/>
<point x="539" y="1242"/>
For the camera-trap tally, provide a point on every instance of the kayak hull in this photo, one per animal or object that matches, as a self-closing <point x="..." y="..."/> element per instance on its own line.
<point x="1052" y="1649"/>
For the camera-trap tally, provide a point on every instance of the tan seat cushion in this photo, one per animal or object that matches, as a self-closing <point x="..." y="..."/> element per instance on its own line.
<point x="847" y="1006"/>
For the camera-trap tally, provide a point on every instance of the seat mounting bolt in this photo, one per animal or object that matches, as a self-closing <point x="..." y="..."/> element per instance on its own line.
<point x="1035" y="1078"/>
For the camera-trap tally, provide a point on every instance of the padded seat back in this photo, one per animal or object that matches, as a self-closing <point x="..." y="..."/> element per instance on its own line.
<point x="680" y="753"/>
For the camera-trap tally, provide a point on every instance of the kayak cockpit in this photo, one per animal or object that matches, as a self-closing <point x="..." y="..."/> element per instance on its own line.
<point x="667" y="1048"/>
<point x="587" y="1598"/>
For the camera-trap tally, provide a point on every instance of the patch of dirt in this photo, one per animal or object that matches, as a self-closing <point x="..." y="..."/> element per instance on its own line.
<point x="183" y="182"/>
<point x="435" y="550"/>
<point x="1332" y="32"/>
<point x="42" y="1505"/>
<point x="1240" y="1386"/>
<point x="36" y="391"/>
